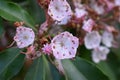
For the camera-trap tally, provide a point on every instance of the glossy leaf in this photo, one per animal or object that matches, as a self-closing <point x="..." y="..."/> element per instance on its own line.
<point x="80" y="69"/>
<point x="37" y="12"/>
<point x="12" y="12"/>
<point x="1" y="27"/>
<point x="105" y="68"/>
<point x="11" y="61"/>
<point x="41" y="69"/>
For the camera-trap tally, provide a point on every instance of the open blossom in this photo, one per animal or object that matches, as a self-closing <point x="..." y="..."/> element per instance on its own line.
<point x="117" y="2"/>
<point x="100" y="53"/>
<point x="80" y="12"/>
<point x="64" y="45"/>
<point x="107" y="38"/>
<point x="88" y="25"/>
<point x="59" y="9"/>
<point x="64" y="21"/>
<point x="99" y="9"/>
<point x="47" y="49"/>
<point x="24" y="36"/>
<point x="92" y="40"/>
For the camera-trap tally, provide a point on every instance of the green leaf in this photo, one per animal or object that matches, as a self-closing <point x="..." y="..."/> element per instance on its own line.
<point x="105" y="68"/>
<point x="41" y="69"/>
<point x="80" y="69"/>
<point x="11" y="62"/>
<point x="12" y="12"/>
<point x="1" y="27"/>
<point x="37" y="12"/>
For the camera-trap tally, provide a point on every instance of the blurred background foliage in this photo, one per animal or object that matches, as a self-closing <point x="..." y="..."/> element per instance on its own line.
<point x="13" y="66"/>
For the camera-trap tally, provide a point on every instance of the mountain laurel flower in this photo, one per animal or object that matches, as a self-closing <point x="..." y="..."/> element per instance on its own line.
<point x="107" y="38"/>
<point x="99" y="9"/>
<point x="117" y="2"/>
<point x="47" y="49"/>
<point x="59" y="9"/>
<point x="92" y="40"/>
<point x="100" y="53"/>
<point x="24" y="36"/>
<point x="80" y="13"/>
<point x="88" y="25"/>
<point x="64" y="45"/>
<point x="64" y="21"/>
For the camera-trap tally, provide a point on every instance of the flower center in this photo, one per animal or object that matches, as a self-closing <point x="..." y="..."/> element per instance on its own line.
<point x="57" y="8"/>
<point x="61" y="44"/>
<point x="25" y="37"/>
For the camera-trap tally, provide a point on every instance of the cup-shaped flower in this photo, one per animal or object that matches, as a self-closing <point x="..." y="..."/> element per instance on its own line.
<point x="88" y="25"/>
<point x="80" y="12"/>
<point x="59" y="9"/>
<point x="92" y="40"/>
<point x="107" y="38"/>
<point x="64" y="45"/>
<point x="100" y="53"/>
<point x="24" y="36"/>
<point x="117" y="2"/>
<point x="99" y="9"/>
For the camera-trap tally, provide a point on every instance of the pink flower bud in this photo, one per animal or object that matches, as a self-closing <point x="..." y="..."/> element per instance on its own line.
<point x="47" y="49"/>
<point x="88" y="25"/>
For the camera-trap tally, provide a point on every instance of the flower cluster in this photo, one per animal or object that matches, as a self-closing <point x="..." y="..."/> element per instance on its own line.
<point x="81" y="23"/>
<point x="93" y="40"/>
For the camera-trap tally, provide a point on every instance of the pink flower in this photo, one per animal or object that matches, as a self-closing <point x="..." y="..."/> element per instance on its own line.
<point x="110" y="5"/>
<point x="64" y="45"/>
<point x="80" y="12"/>
<point x="107" y="38"/>
<point x="47" y="49"/>
<point x="98" y="8"/>
<point x="24" y="36"/>
<point x="92" y="40"/>
<point x="88" y="25"/>
<point x="117" y="2"/>
<point x="100" y="53"/>
<point x="59" y="9"/>
<point x="43" y="28"/>
<point x="64" y="21"/>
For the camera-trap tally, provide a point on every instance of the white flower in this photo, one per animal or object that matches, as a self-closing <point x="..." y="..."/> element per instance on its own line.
<point x="98" y="8"/>
<point x="59" y="9"/>
<point x="64" y="45"/>
<point x="117" y="2"/>
<point x="80" y="12"/>
<point x="92" y="40"/>
<point x="24" y="36"/>
<point x="107" y="38"/>
<point x="64" y="21"/>
<point x="88" y="25"/>
<point x="100" y="53"/>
